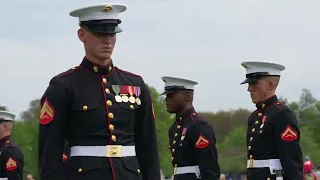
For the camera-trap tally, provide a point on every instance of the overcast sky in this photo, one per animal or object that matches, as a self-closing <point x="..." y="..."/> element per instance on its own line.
<point x="204" y="40"/>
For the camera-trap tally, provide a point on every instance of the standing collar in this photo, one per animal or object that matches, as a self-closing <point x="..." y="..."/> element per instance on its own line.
<point x="96" y="68"/>
<point x="185" y="114"/>
<point x="267" y="103"/>
<point x="5" y="139"/>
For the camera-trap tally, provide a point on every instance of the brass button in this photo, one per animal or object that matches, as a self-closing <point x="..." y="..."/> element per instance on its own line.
<point x="178" y="126"/>
<point x="111" y="127"/>
<point x="249" y="147"/>
<point x="114" y="138"/>
<point x="176" y="165"/>
<point x="85" y="108"/>
<point x="261" y="125"/>
<point x="268" y="178"/>
<point x="180" y="118"/>
<point x="109" y="103"/>
<point x="131" y="106"/>
<point x="172" y="158"/>
<point x="256" y="122"/>
<point x="95" y="68"/>
<point x="137" y="169"/>
<point x="110" y="115"/>
<point x="104" y="80"/>
<point x="110" y="68"/>
<point x="173" y="150"/>
<point x="107" y="91"/>
<point x="80" y="170"/>
<point x="176" y="134"/>
<point x="173" y="142"/>
<point x="260" y="132"/>
<point x="251" y="138"/>
<point x="263" y="105"/>
<point x="253" y="129"/>
<point x="251" y="156"/>
<point x="259" y="114"/>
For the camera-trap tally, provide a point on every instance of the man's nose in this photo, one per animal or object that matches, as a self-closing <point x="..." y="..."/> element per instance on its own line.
<point x="249" y="88"/>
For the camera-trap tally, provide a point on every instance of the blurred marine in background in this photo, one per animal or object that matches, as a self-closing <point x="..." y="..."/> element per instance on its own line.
<point x="11" y="157"/>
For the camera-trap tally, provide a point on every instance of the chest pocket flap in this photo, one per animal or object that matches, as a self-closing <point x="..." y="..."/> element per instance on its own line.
<point x="84" y="106"/>
<point x="128" y="106"/>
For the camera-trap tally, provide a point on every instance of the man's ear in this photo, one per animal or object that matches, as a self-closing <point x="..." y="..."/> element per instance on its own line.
<point x="81" y="35"/>
<point x="187" y="96"/>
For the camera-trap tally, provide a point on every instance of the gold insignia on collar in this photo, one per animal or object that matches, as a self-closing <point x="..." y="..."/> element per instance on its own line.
<point x="243" y="65"/>
<point x="107" y="8"/>
<point x="95" y="68"/>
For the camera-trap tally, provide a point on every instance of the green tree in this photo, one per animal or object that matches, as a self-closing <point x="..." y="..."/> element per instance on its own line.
<point x="163" y="122"/>
<point x="26" y="136"/>
<point x="224" y="121"/>
<point x="32" y="112"/>
<point x="232" y="151"/>
<point x="308" y="145"/>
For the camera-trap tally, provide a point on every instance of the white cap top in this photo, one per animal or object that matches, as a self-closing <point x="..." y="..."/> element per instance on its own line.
<point x="263" y="67"/>
<point x="173" y="84"/>
<point x="99" y="12"/>
<point x="257" y="70"/>
<point x="5" y="115"/>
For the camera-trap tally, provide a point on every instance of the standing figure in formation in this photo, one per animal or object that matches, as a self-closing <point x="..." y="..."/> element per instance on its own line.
<point x="191" y="138"/>
<point x="273" y="134"/>
<point x="105" y="113"/>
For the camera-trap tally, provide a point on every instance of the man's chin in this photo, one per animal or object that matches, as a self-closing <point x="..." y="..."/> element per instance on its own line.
<point x="170" y="111"/>
<point x="253" y="100"/>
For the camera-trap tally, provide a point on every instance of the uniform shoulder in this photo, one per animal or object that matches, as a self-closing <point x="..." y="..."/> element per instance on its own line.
<point x="11" y="146"/>
<point x="198" y="119"/>
<point x="128" y="73"/>
<point x="199" y="125"/>
<point x="67" y="73"/>
<point x="64" y="77"/>
<point x="285" y="112"/>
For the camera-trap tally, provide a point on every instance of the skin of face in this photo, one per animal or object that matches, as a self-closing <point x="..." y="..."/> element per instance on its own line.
<point x="98" y="46"/>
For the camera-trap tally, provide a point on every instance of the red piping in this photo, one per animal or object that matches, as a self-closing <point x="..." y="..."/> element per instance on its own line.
<point x="110" y="140"/>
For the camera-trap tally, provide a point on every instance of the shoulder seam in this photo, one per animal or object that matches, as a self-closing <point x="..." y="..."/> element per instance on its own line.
<point x="278" y="107"/>
<point x="68" y="72"/>
<point x="127" y="72"/>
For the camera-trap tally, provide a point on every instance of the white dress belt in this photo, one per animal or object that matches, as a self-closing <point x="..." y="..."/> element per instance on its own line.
<point x="273" y="165"/>
<point x="3" y="178"/>
<point x="187" y="169"/>
<point x="103" y="151"/>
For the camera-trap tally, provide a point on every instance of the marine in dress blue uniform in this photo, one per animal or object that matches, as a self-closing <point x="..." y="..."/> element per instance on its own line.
<point x="192" y="141"/>
<point x="12" y="159"/>
<point x="273" y="134"/>
<point x="105" y="113"/>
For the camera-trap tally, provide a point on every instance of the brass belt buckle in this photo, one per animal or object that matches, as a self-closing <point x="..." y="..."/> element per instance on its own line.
<point x="114" y="151"/>
<point x="251" y="163"/>
<point x="175" y="171"/>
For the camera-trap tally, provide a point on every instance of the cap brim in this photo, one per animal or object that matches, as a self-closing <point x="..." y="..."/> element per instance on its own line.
<point x="166" y="92"/>
<point x="249" y="80"/>
<point x="116" y="30"/>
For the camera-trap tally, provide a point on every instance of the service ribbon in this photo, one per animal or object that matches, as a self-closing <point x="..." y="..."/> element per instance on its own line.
<point x="116" y="89"/>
